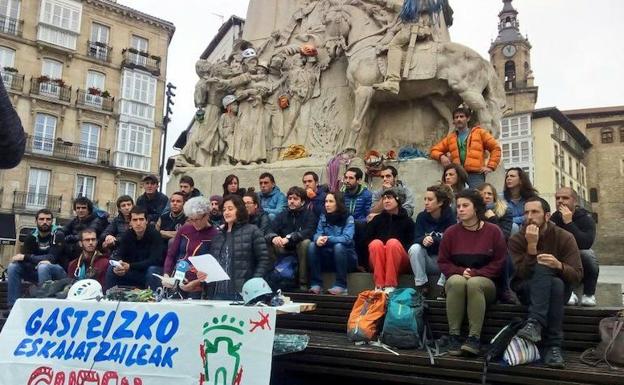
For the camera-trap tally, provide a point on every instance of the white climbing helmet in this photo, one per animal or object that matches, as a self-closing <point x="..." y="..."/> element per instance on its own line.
<point x="248" y="53"/>
<point x="254" y="288"/>
<point x="227" y="100"/>
<point x="85" y="289"/>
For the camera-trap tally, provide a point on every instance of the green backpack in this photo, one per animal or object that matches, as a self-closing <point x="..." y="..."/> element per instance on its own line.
<point x="404" y="324"/>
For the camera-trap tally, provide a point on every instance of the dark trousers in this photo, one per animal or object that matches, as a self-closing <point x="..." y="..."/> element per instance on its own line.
<point x="136" y="278"/>
<point x="591" y="269"/>
<point x="361" y="248"/>
<point x="545" y="294"/>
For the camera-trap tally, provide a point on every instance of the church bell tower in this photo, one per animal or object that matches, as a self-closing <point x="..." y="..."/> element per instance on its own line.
<point x="510" y="54"/>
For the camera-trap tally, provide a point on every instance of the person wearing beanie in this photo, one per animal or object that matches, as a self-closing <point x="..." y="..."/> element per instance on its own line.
<point x="216" y="216"/>
<point x="389" y="235"/>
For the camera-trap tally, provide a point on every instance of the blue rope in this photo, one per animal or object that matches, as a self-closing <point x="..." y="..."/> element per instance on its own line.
<point x="413" y="8"/>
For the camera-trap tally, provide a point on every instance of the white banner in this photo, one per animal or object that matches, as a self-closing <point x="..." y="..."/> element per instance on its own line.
<point x="62" y="342"/>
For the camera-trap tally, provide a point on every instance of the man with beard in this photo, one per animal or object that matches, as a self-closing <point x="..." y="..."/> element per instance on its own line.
<point x="40" y="259"/>
<point x="548" y="265"/>
<point x="170" y="221"/>
<point x="118" y="226"/>
<point x="86" y="217"/>
<point x="91" y="264"/>
<point x="216" y="216"/>
<point x="358" y="200"/>
<point x="187" y="186"/>
<point x="292" y="230"/>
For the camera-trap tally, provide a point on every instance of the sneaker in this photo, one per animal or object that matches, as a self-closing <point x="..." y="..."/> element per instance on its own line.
<point x="337" y="290"/>
<point x="573" y="301"/>
<point x="454" y="345"/>
<point x="315" y="289"/>
<point x="588" y="300"/>
<point x="531" y="331"/>
<point x="472" y="345"/>
<point x="554" y="358"/>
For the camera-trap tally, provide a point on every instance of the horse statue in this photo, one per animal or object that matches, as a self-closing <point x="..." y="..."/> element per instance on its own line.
<point x="455" y="72"/>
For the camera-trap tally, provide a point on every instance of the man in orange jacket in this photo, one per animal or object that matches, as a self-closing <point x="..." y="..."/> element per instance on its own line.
<point x="467" y="148"/>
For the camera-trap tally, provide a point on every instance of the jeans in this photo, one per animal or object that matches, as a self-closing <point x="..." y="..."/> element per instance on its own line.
<point x="342" y="258"/>
<point x="137" y="278"/>
<point x="18" y="271"/>
<point x="422" y="263"/>
<point x="545" y="294"/>
<point x="301" y="250"/>
<point x="475" y="179"/>
<point x="475" y="293"/>
<point x="506" y="274"/>
<point x="152" y="281"/>
<point x="591" y="269"/>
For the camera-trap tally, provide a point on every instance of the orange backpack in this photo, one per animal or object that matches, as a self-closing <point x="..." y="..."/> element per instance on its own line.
<point x="366" y="315"/>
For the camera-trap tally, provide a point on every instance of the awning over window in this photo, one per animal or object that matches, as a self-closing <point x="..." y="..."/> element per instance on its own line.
<point x="7" y="229"/>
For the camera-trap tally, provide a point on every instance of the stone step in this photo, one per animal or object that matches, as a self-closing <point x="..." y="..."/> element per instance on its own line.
<point x="607" y="294"/>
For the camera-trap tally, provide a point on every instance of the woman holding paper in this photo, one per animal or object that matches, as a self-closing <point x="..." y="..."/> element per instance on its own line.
<point x="240" y="248"/>
<point x="194" y="238"/>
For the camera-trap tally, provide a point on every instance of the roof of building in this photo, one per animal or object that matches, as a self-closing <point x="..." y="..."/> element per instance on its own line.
<point x="112" y="5"/>
<point x="564" y="122"/>
<point x="594" y="111"/>
<point x="225" y="27"/>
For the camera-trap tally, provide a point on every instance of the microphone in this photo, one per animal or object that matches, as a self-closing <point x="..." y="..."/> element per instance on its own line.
<point x="180" y="274"/>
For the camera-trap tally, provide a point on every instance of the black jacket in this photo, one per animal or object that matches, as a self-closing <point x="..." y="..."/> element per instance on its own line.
<point x="428" y="225"/>
<point x="92" y="221"/>
<point x="49" y="248"/>
<point x="386" y="226"/>
<point x="247" y="251"/>
<point x="262" y="221"/>
<point x="141" y="253"/>
<point x="154" y="206"/>
<point x="117" y="228"/>
<point x="297" y="224"/>
<point x="12" y="136"/>
<point x="505" y="223"/>
<point x="582" y="227"/>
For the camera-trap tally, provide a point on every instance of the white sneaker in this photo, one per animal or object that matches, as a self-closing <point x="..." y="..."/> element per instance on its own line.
<point x="573" y="301"/>
<point x="588" y="300"/>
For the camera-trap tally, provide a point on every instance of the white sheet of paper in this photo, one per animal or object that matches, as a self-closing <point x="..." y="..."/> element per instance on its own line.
<point x="209" y="265"/>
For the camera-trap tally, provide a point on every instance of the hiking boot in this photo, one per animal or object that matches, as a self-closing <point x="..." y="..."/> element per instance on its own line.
<point x="588" y="300"/>
<point x="472" y="345"/>
<point x="554" y="358"/>
<point x="531" y="331"/>
<point x="573" y="301"/>
<point x="315" y="289"/>
<point x="388" y="86"/>
<point x="337" y="290"/>
<point x="454" y="345"/>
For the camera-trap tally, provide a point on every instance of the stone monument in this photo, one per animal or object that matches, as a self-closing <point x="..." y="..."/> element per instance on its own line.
<point x="314" y="78"/>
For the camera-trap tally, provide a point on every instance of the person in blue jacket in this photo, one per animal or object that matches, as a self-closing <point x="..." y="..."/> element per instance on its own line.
<point x="332" y="245"/>
<point x="430" y="226"/>
<point x="358" y="200"/>
<point x="272" y="199"/>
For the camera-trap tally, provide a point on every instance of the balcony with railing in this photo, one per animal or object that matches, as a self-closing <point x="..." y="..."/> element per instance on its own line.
<point x="32" y="202"/>
<point x="133" y="58"/>
<point x="11" y="26"/>
<point x="99" y="51"/>
<point x="12" y="80"/>
<point x="95" y="99"/>
<point x="50" y="88"/>
<point x="132" y="161"/>
<point x="58" y="149"/>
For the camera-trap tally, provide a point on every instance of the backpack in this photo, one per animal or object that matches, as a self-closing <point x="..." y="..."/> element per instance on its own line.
<point x="610" y="350"/>
<point x="284" y="274"/>
<point x="404" y="324"/>
<point x="499" y="344"/>
<point x="366" y="315"/>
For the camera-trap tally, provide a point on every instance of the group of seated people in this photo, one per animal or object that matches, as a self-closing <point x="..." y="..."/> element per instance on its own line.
<point x="484" y="247"/>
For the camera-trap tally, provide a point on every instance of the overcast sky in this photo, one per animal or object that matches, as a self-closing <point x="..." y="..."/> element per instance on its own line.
<point x="577" y="56"/>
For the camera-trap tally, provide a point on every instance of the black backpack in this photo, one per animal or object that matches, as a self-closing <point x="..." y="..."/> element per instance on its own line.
<point x="499" y="343"/>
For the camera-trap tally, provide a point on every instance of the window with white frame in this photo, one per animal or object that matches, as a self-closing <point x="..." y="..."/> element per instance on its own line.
<point x="38" y="185"/>
<point x="54" y="70"/>
<point x="59" y="22"/>
<point x="85" y="186"/>
<point x="138" y="95"/>
<point x="10" y="9"/>
<point x="99" y="41"/>
<point x="516" y="152"/>
<point x="96" y="82"/>
<point x="7" y="60"/>
<point x="134" y="146"/>
<point x="515" y="126"/>
<point x="43" y="138"/>
<point x="89" y="142"/>
<point x="141" y="45"/>
<point x="127" y="188"/>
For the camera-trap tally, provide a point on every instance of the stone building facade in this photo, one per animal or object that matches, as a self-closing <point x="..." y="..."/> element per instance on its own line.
<point x="604" y="127"/>
<point x="87" y="79"/>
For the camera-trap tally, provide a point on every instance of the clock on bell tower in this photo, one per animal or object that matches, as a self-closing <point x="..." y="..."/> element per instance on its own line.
<point x="510" y="54"/>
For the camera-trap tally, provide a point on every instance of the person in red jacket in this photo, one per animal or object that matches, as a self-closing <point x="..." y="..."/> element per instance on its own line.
<point x="471" y="256"/>
<point x="467" y="147"/>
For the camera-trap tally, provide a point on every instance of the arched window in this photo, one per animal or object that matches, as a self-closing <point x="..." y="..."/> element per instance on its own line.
<point x="510" y="75"/>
